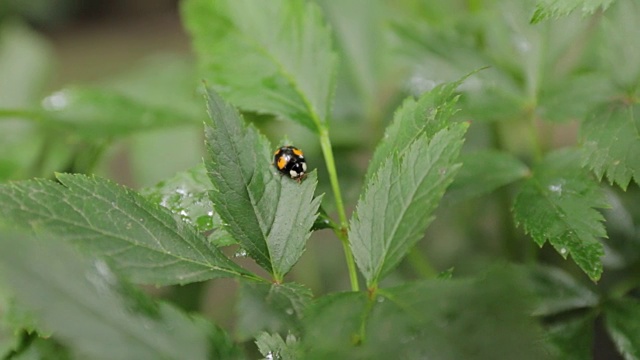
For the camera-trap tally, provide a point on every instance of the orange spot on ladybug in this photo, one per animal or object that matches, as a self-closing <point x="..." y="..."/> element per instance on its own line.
<point x="297" y="152"/>
<point x="282" y="162"/>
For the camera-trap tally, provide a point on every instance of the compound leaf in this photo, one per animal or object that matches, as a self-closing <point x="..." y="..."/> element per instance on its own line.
<point x="396" y="207"/>
<point x="546" y="9"/>
<point x="269" y="214"/>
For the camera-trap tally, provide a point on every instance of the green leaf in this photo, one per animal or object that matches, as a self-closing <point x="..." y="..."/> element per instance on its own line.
<point x="272" y="346"/>
<point x="90" y="309"/>
<point x="452" y="319"/>
<point x="266" y="56"/>
<point x="557" y="291"/>
<point x="611" y="139"/>
<point x="187" y="195"/>
<point x="273" y="308"/>
<point x="269" y="214"/>
<point x="99" y="113"/>
<point x="572" y="339"/>
<point x="622" y="320"/>
<point x="557" y="205"/>
<point x="483" y="172"/>
<point x="396" y="207"/>
<point x="140" y="238"/>
<point x="546" y="9"/>
<point x="426" y="116"/>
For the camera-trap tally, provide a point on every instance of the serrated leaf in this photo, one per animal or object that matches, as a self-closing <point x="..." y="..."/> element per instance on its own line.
<point x="612" y="143"/>
<point x="90" y="309"/>
<point x="266" y="56"/>
<point x="269" y="214"/>
<point x="452" y="319"/>
<point x="100" y="113"/>
<point x="272" y="346"/>
<point x="547" y="9"/>
<point x="557" y="291"/>
<point x="187" y="195"/>
<point x="273" y="308"/>
<point x="413" y="119"/>
<point x="557" y="204"/>
<point x="142" y="239"/>
<point x="399" y="200"/>
<point x="622" y="320"/>
<point x="483" y="172"/>
<point x="572" y="339"/>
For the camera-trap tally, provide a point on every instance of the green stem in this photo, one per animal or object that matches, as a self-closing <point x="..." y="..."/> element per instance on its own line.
<point x="6" y="114"/>
<point x="420" y="264"/>
<point x="325" y="143"/>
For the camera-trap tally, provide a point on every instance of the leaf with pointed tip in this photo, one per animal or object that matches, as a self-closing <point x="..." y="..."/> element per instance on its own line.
<point x="558" y="291"/>
<point x="612" y="143"/>
<point x="622" y="320"/>
<point x="142" y="239"/>
<point x="547" y="9"/>
<point x="572" y="339"/>
<point x="90" y="308"/>
<point x="398" y="201"/>
<point x="269" y="214"/>
<point x="266" y="56"/>
<point x="557" y="204"/>
<point x="273" y="346"/>
<point x="428" y="115"/>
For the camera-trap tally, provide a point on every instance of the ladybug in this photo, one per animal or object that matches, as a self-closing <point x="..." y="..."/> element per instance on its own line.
<point x="289" y="160"/>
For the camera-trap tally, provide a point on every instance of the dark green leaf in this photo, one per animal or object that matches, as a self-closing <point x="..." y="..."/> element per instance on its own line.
<point x="612" y="143"/>
<point x="266" y="56"/>
<point x="89" y="308"/>
<point x="273" y="308"/>
<point x="453" y="319"/>
<point x="414" y="119"/>
<point x="483" y="172"/>
<point x="557" y="291"/>
<point x="272" y="346"/>
<point x="546" y="9"/>
<point x="187" y="196"/>
<point x="557" y="205"/>
<point x="140" y="238"/>
<point x="269" y="214"/>
<point x="98" y="113"/>
<point x="622" y="319"/>
<point x="572" y="339"/>
<point x="398" y="202"/>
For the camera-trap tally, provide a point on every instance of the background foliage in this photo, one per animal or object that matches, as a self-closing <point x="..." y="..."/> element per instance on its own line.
<point x="473" y="193"/>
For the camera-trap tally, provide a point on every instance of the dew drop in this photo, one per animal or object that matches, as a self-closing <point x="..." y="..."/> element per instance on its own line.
<point x="56" y="101"/>
<point x="556" y="188"/>
<point x="563" y="251"/>
<point x="240" y="253"/>
<point x="289" y="311"/>
<point x="210" y="213"/>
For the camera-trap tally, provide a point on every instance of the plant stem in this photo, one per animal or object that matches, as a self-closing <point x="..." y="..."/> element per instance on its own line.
<point x="420" y="264"/>
<point x="325" y="143"/>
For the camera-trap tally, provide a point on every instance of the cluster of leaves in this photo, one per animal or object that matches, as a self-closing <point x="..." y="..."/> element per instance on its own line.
<point x="80" y="243"/>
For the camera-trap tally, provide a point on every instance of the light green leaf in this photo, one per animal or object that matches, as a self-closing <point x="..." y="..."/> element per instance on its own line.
<point x="546" y="9"/>
<point x="90" y="309"/>
<point x="434" y="319"/>
<point x="266" y="56"/>
<point x="557" y="205"/>
<point x="272" y="346"/>
<point x="398" y="202"/>
<point x="621" y="53"/>
<point x="269" y="214"/>
<point x="99" y="113"/>
<point x="187" y="195"/>
<point x="426" y="116"/>
<point x="611" y="139"/>
<point x="483" y="172"/>
<point x="141" y="239"/>
<point x="273" y="308"/>
<point x="622" y="320"/>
